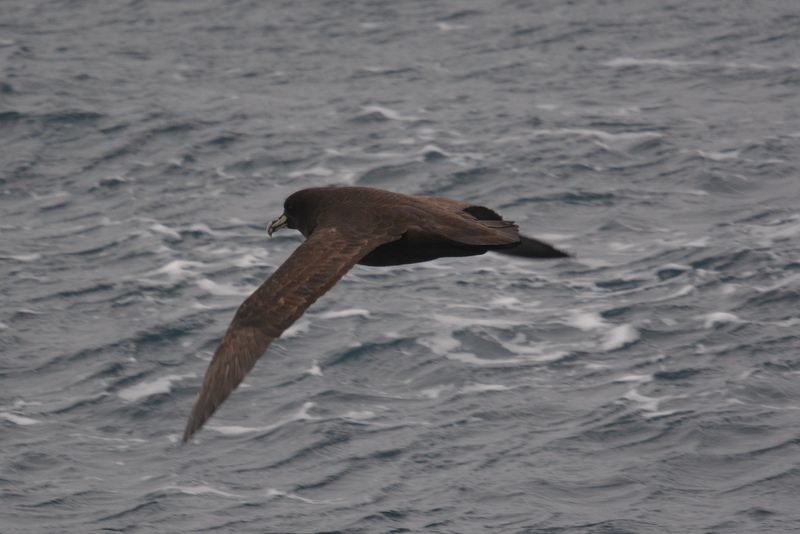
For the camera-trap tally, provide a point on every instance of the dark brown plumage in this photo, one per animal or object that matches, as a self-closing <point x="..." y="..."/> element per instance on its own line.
<point x="344" y="226"/>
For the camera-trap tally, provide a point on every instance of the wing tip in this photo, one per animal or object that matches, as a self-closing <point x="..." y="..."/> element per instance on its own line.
<point x="533" y="248"/>
<point x="195" y="423"/>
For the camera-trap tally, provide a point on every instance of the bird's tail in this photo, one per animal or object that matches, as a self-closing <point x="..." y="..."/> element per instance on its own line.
<point x="533" y="248"/>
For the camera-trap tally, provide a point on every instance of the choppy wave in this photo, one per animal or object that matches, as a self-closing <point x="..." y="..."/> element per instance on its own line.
<point x="649" y="384"/>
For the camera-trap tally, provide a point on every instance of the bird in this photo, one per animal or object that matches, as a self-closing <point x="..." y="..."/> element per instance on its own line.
<point x="345" y="226"/>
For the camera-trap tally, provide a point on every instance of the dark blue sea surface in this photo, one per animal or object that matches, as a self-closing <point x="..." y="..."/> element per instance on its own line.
<point x="650" y="384"/>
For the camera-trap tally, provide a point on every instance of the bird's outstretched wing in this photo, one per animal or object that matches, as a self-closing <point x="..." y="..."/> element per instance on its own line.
<point x="307" y="274"/>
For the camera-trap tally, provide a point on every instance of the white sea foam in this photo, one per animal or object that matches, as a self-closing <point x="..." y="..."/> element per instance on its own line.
<point x="719" y="156"/>
<point x="650" y="404"/>
<point x="299" y="328"/>
<point x="427" y="149"/>
<point x="313" y="171"/>
<point x="440" y="344"/>
<point x="314" y="370"/>
<point x="177" y="269"/>
<point x="682" y="292"/>
<point x="783" y="229"/>
<point x="247" y="260"/>
<point x="719" y="318"/>
<point x="619" y="337"/>
<point x="602" y="135"/>
<point x="505" y="302"/>
<point x="792" y="279"/>
<point x="622" y="62"/>
<point x="636" y="62"/>
<point x="634" y="378"/>
<point x="162" y="229"/>
<point x="646" y="403"/>
<point x="154" y="387"/>
<point x="272" y="492"/>
<point x="447" y="27"/>
<point x="18" y="419"/>
<point x="25" y="258"/>
<point x="540" y="352"/>
<point x="235" y="430"/>
<point x="344" y="313"/>
<point x="388" y="113"/>
<point x="480" y="388"/>
<point x="359" y="415"/>
<point x="433" y="393"/>
<point x="470" y="358"/>
<point x="461" y="322"/>
<point x="224" y="289"/>
<point x="202" y="490"/>
<point x="587" y="321"/>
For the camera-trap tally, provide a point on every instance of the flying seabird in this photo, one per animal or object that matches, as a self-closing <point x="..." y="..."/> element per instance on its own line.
<point x="344" y="226"/>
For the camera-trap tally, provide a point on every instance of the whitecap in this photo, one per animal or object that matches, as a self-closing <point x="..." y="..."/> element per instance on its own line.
<point x="177" y="269"/>
<point x="299" y="328"/>
<point x="18" y="419"/>
<point x="682" y="292"/>
<point x="202" y="490"/>
<point x="246" y="261"/>
<point x="162" y="229"/>
<point x="441" y="344"/>
<point x="388" y="113"/>
<point x="154" y="387"/>
<point x="314" y="370"/>
<point x="313" y="171"/>
<point x="462" y="322"/>
<point x="468" y="357"/>
<point x="359" y="415"/>
<point x="238" y="430"/>
<point x="650" y="404"/>
<point x="727" y="289"/>
<point x="634" y="378"/>
<point x="587" y="321"/>
<point x="719" y="318"/>
<point x="447" y="27"/>
<point x="622" y="62"/>
<point x="646" y="403"/>
<point x="635" y="62"/>
<point x="789" y="280"/>
<point x="433" y="393"/>
<point x="480" y="388"/>
<point x="619" y="337"/>
<point x="433" y="149"/>
<point x="541" y="352"/>
<point x="235" y="430"/>
<point x="602" y="135"/>
<point x="719" y="156"/>
<point x="505" y="302"/>
<point x="224" y="289"/>
<point x="344" y="313"/>
<point x="25" y="258"/>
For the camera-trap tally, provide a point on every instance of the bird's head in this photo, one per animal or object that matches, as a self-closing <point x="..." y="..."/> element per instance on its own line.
<point x="301" y="211"/>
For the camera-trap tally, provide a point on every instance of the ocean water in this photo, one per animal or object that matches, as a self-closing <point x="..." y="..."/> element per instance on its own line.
<point x="650" y="384"/>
